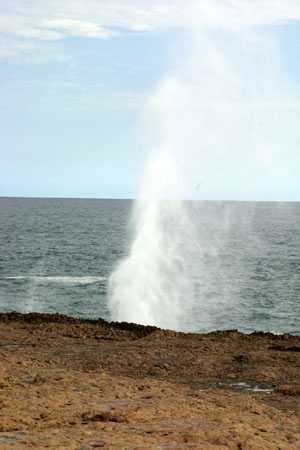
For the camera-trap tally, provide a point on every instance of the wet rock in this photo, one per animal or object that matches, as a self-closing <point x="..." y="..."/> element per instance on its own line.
<point x="10" y="438"/>
<point x="33" y="379"/>
<point x="281" y="348"/>
<point x="105" y="415"/>
<point x="291" y="390"/>
<point x="242" y="359"/>
<point x="96" y="444"/>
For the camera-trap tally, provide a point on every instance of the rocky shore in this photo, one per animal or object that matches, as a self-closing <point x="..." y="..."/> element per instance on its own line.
<point x="75" y="384"/>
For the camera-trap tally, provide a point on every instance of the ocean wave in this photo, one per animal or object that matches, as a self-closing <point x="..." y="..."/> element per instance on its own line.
<point x="58" y="279"/>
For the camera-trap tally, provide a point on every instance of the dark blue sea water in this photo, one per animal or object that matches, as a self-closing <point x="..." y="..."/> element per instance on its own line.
<point x="56" y="256"/>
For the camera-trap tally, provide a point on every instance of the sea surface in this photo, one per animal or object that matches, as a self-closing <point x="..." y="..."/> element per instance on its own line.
<point x="56" y="256"/>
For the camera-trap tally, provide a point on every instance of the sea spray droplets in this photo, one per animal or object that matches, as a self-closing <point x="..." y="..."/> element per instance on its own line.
<point x="216" y="122"/>
<point x="153" y="283"/>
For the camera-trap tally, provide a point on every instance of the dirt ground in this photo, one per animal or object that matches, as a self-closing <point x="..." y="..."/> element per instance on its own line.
<point x="75" y="384"/>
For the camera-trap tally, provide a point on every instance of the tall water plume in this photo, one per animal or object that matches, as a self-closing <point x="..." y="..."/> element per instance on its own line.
<point x="221" y="120"/>
<point x="150" y="286"/>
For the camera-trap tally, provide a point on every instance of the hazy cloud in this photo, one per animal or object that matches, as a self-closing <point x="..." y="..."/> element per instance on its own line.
<point x="53" y="19"/>
<point x="78" y="28"/>
<point x="48" y="20"/>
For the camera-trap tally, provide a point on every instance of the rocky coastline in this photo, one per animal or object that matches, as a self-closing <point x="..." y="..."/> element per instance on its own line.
<point x="68" y="383"/>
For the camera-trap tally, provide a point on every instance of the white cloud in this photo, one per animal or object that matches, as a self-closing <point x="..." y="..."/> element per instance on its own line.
<point x="50" y="20"/>
<point x="53" y="19"/>
<point x="78" y="28"/>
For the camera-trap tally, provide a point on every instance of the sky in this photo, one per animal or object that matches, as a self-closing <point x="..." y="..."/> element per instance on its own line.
<point x="75" y="77"/>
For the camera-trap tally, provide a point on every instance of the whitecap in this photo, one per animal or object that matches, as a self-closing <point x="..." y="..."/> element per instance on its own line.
<point x="58" y="279"/>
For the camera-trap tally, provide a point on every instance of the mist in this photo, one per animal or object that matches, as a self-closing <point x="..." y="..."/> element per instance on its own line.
<point x="221" y="125"/>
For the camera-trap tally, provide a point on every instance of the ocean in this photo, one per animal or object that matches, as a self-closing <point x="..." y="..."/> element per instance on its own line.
<point x="56" y="256"/>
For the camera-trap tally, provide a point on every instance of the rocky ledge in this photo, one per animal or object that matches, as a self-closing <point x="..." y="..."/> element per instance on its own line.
<point x="67" y="383"/>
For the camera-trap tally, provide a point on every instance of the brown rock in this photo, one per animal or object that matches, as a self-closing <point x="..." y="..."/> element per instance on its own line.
<point x="75" y="384"/>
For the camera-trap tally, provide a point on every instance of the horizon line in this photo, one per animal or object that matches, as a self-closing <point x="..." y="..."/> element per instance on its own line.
<point x="28" y="197"/>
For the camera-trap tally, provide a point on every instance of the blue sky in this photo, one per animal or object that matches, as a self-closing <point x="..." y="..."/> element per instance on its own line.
<point x="70" y="127"/>
<point x="74" y="80"/>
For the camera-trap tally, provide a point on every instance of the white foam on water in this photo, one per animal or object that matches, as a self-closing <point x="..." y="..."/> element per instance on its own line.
<point x="58" y="279"/>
